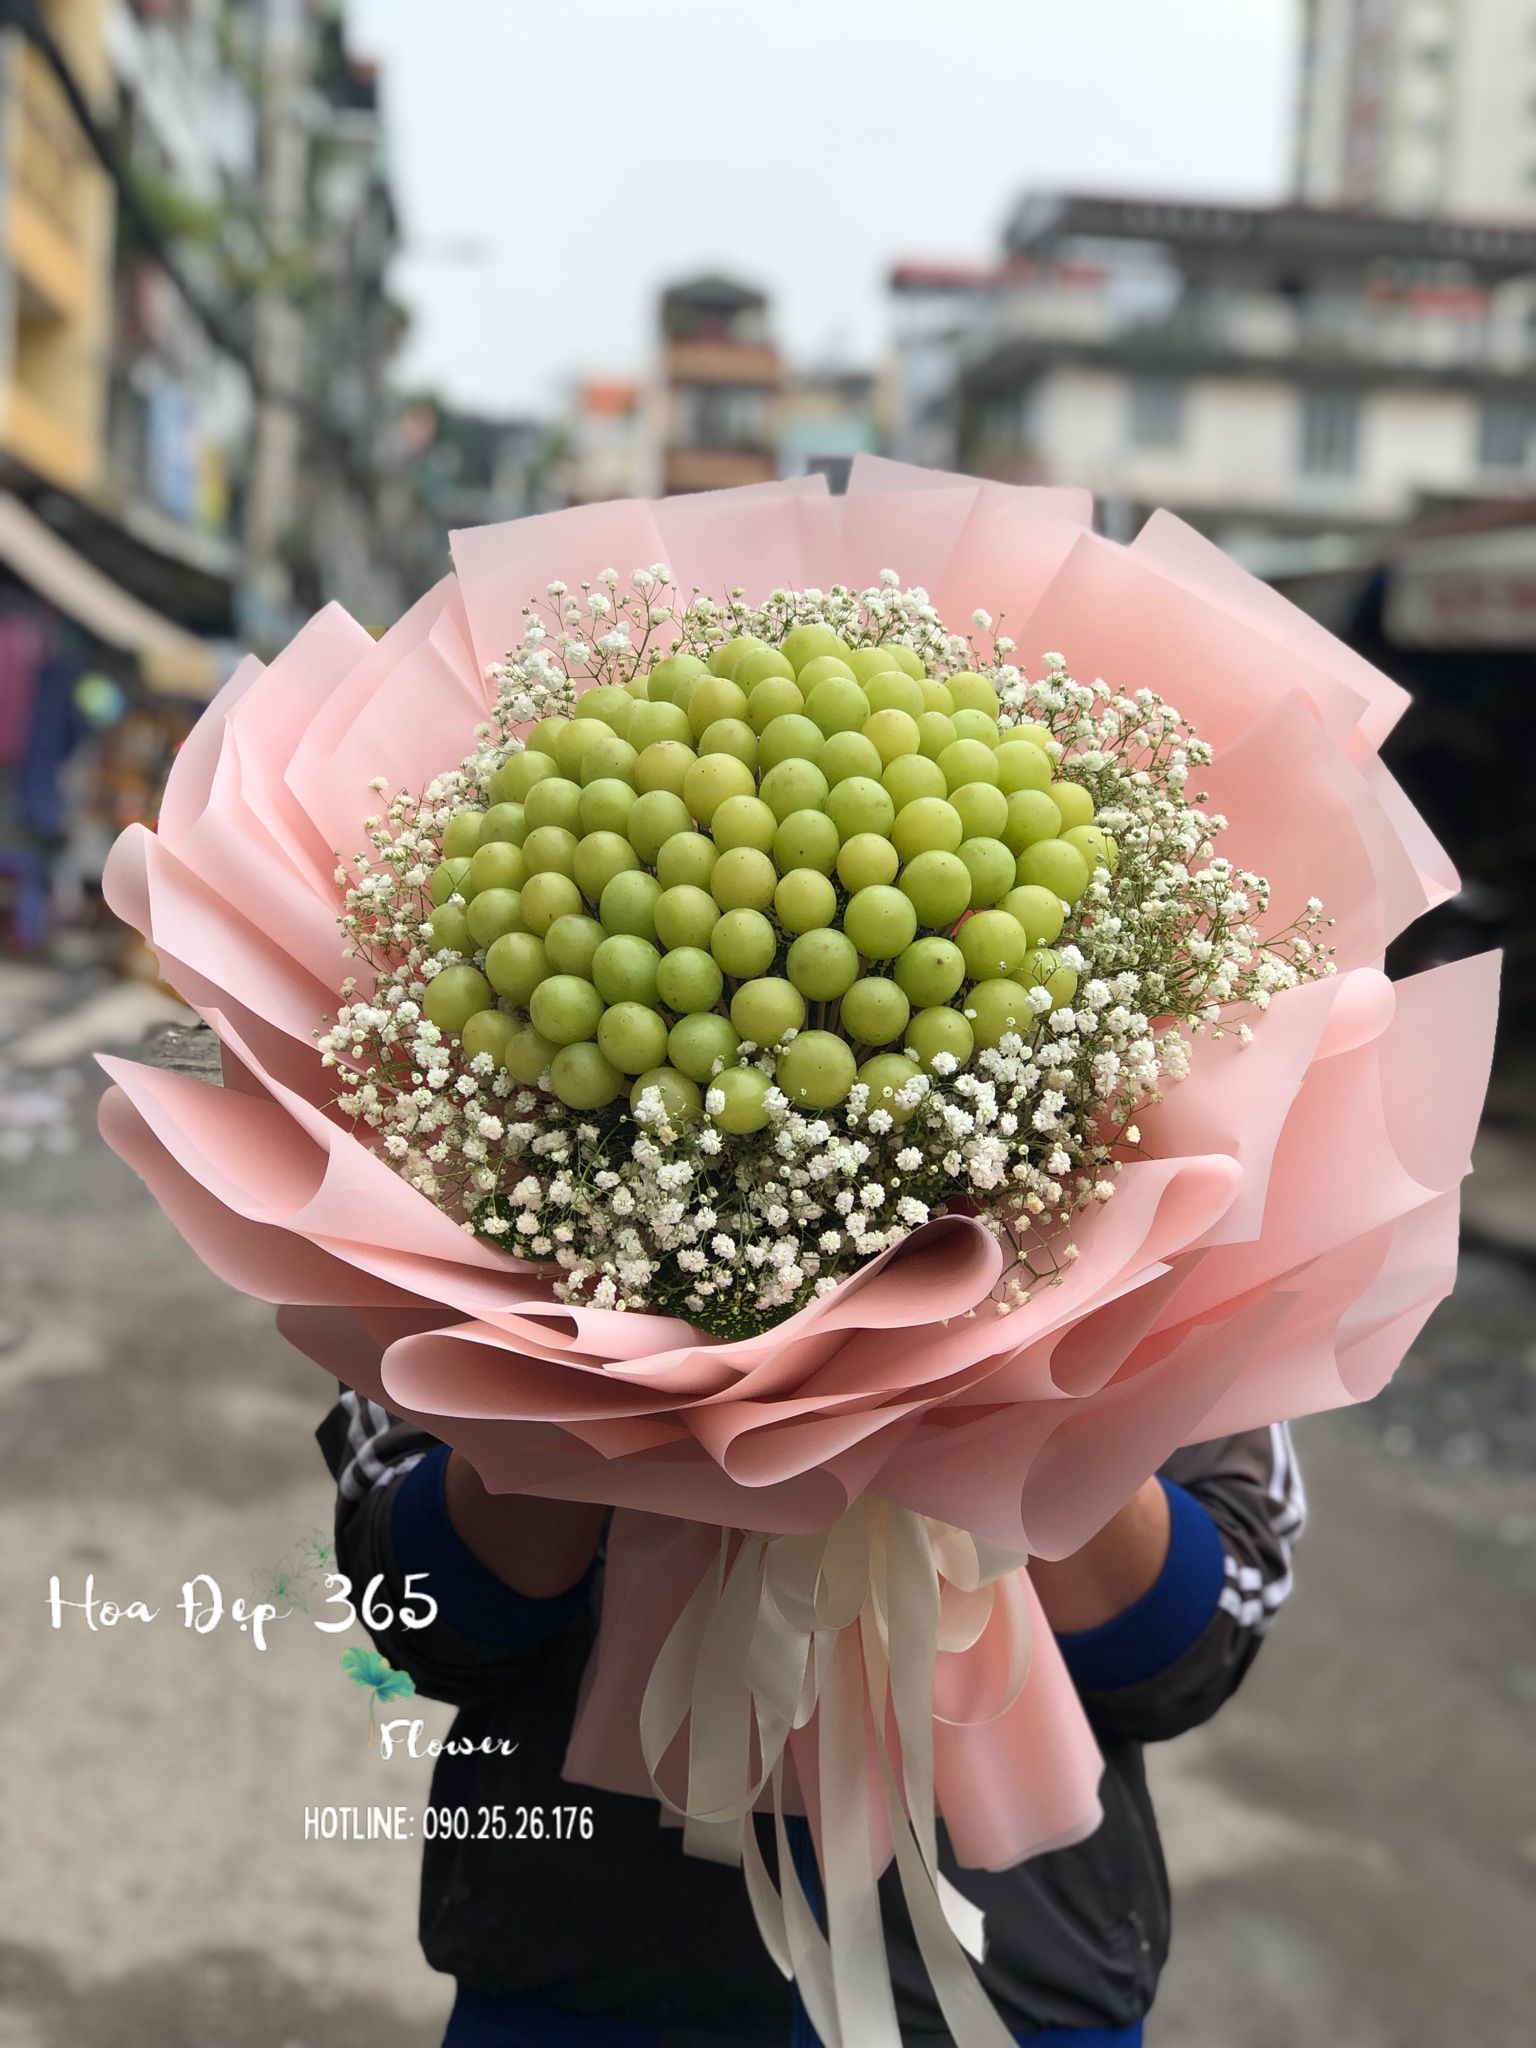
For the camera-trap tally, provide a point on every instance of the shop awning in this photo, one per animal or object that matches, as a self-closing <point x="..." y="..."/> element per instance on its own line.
<point x="1473" y="589"/>
<point x="171" y="659"/>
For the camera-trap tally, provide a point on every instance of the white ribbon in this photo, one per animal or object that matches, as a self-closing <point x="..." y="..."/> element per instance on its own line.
<point x="843" y="1624"/>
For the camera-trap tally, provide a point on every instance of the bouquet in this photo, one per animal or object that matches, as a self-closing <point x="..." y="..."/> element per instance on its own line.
<point x="752" y="1041"/>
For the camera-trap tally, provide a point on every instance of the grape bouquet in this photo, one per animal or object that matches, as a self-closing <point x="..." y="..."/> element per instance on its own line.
<point x="758" y="1044"/>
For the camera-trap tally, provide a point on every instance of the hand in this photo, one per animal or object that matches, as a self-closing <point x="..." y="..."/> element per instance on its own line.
<point x="537" y="1547"/>
<point x="1111" y="1571"/>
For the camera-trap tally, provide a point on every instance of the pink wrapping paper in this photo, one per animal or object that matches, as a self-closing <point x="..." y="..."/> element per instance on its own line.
<point x="1291" y="1228"/>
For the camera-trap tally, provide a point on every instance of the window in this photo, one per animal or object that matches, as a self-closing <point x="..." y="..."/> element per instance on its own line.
<point x="1505" y="429"/>
<point x="1157" y="412"/>
<point x="1330" y="433"/>
<point x="722" y="416"/>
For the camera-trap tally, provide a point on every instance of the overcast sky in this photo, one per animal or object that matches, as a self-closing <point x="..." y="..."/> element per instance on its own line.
<point x="555" y="162"/>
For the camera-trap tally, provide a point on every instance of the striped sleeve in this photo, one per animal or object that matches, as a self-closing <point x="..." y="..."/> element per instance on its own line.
<point x="1250" y="1488"/>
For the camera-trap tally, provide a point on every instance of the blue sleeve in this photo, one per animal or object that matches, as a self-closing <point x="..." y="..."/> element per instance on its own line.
<point x="1168" y="1618"/>
<point x="470" y="1598"/>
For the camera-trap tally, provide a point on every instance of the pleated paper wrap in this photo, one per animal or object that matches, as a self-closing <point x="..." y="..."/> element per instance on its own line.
<point x="820" y="1529"/>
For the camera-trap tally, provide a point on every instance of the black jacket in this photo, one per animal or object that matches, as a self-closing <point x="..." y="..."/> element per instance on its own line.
<point x="625" y="1926"/>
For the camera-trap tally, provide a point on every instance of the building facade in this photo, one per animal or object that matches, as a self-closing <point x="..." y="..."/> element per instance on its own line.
<point x="718" y="397"/>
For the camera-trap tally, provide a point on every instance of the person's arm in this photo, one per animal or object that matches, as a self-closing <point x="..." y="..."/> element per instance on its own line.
<point x="1161" y="1615"/>
<point x="537" y="1547"/>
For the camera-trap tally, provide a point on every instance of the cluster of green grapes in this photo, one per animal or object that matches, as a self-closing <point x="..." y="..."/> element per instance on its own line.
<point x="810" y="848"/>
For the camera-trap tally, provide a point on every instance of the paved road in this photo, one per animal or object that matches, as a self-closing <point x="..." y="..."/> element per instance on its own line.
<point x="1354" y="1841"/>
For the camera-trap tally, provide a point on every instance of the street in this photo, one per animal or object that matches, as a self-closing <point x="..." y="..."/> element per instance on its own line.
<point x="1353" y="1842"/>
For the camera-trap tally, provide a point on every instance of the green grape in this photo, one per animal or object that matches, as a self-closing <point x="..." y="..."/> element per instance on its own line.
<point x="632" y="1036"/>
<point x="911" y="777"/>
<point x="1038" y="735"/>
<point x="975" y="725"/>
<point x="565" y="1008"/>
<point x="938" y="885"/>
<point x="874" y="1011"/>
<point x="743" y="879"/>
<point x="461" y="834"/>
<point x="610" y="702"/>
<point x="967" y="761"/>
<point x="836" y="703"/>
<point x="774" y="697"/>
<point x="599" y="857"/>
<point x="546" y="897"/>
<point x="847" y="754"/>
<point x="571" y="745"/>
<point x="893" y="734"/>
<point x="730" y="736"/>
<point x="1043" y="969"/>
<point x="804" y="900"/>
<point x="688" y="979"/>
<point x="929" y="825"/>
<point x="881" y="922"/>
<point x="582" y="1078"/>
<point x="497" y="866"/>
<point x="865" y="859"/>
<point x="815" y="1070"/>
<point x="823" y="965"/>
<point x="653" y="723"/>
<point x="608" y="758"/>
<point x="884" y="1076"/>
<point x="974" y="693"/>
<point x="743" y="943"/>
<point x="1021" y="765"/>
<point x="545" y="734"/>
<point x="792" y="786"/>
<point x="939" y="1030"/>
<point x="935" y="732"/>
<point x="982" y="809"/>
<point x="822" y="668"/>
<point x="860" y="805"/>
<point x="626" y="969"/>
<point x="685" y="916"/>
<point x="1032" y="816"/>
<point x="903" y="657"/>
<point x="715" y="697"/>
<point x="1039" y="911"/>
<point x="697" y="1045"/>
<point x="761" y="664"/>
<point x="806" y="839"/>
<point x="741" y="1094"/>
<point x="804" y="644"/>
<point x="1074" y="803"/>
<point x="868" y="662"/>
<point x="664" y="764"/>
<point x="682" y="1099"/>
<point x="936" y="696"/>
<point x="723" y="661"/>
<point x="605" y="805"/>
<point x="930" y="970"/>
<point x="711" y="779"/>
<point x="764" y="1009"/>
<point x="512" y="781"/>
<point x="1096" y="846"/>
<point x="516" y="963"/>
<point x="790" y="737"/>
<point x="744" y="821"/>
<point x="992" y="943"/>
<point x="628" y="904"/>
<point x="492" y="913"/>
<point x="991" y="868"/>
<point x="488" y="1031"/>
<point x="994" y="1008"/>
<point x="528" y="1055"/>
<point x="686" y="859"/>
<point x="655" y="818"/>
<point x="553" y="801"/>
<point x="448" y="879"/>
<point x="549" y="850"/>
<point x="455" y="995"/>
<point x="570" y="944"/>
<point x="503" y="821"/>
<point x="668" y="673"/>
<point x="893" y="691"/>
<point x="1055" y="866"/>
<point x="451" y="933"/>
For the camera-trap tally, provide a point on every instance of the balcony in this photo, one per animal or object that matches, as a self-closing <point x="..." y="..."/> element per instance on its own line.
<point x="718" y="361"/>
<point x="53" y="182"/>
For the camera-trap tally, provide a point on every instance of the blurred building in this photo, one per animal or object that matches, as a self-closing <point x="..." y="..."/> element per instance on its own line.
<point x="1419" y="107"/>
<point x="1265" y="372"/>
<point x="826" y="417"/>
<point x="472" y="469"/>
<point x="604" y="446"/>
<point x="934" y="309"/>
<point x="719" y="387"/>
